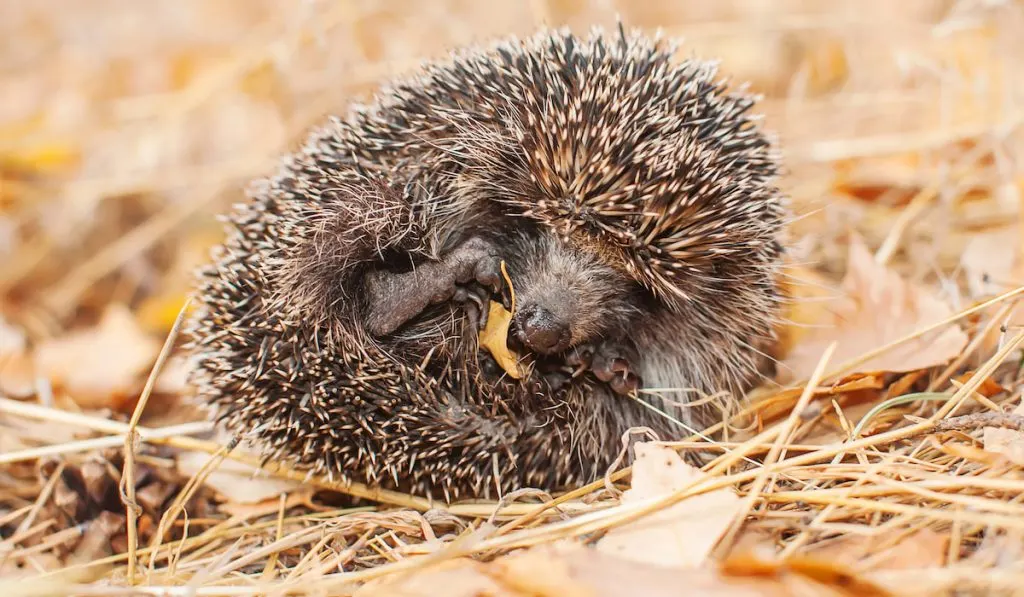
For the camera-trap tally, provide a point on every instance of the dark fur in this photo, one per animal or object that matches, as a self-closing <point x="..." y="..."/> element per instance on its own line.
<point x="629" y="195"/>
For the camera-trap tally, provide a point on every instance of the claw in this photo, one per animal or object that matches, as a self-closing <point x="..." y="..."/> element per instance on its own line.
<point x="610" y="368"/>
<point x="476" y="301"/>
<point x="625" y="384"/>
<point x="488" y="273"/>
<point x="474" y="314"/>
<point x="580" y="356"/>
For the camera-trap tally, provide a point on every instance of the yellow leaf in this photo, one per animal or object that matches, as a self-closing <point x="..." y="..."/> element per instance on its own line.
<point x="494" y="336"/>
<point x="49" y="157"/>
<point x="157" y="313"/>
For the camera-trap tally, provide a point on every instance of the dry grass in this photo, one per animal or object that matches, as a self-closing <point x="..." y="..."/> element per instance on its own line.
<point x="124" y="126"/>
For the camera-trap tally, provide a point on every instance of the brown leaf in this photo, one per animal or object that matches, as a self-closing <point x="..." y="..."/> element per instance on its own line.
<point x="879" y="307"/>
<point x="988" y="388"/>
<point x="681" y="535"/>
<point x="104" y="366"/>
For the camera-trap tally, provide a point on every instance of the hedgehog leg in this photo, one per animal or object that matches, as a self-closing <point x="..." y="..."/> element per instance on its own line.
<point x="607" y="363"/>
<point x="396" y="297"/>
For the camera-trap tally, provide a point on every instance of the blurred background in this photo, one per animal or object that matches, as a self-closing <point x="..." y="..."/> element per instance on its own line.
<point x="127" y="125"/>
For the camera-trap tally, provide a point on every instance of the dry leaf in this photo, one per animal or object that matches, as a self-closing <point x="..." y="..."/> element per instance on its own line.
<point x="879" y="307"/>
<point x="268" y="506"/>
<point x="494" y="336"/>
<point x="173" y="377"/>
<point x="235" y="481"/>
<point x="539" y="572"/>
<point x="680" y="536"/>
<point x="1008" y="442"/>
<point x="990" y="256"/>
<point x="570" y="571"/>
<point x="158" y="313"/>
<point x="17" y="371"/>
<point x="825" y="577"/>
<point x="453" y="578"/>
<point x="890" y="550"/>
<point x="809" y="293"/>
<point x="104" y="366"/>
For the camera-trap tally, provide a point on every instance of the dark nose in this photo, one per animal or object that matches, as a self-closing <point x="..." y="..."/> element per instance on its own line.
<point x="541" y="331"/>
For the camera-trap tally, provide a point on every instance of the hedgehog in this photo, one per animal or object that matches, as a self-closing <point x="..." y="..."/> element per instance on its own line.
<point x="627" y="198"/>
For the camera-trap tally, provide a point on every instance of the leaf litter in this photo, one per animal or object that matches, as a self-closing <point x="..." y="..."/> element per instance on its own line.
<point x="900" y="477"/>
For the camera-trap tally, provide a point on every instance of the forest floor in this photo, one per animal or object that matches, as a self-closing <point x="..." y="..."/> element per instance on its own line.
<point x="887" y="458"/>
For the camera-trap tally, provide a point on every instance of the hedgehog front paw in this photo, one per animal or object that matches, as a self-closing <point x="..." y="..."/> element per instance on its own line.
<point x="607" y="363"/>
<point x="393" y="298"/>
<point x="476" y="260"/>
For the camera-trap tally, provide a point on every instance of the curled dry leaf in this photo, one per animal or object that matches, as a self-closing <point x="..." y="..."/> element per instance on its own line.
<point x="680" y="536"/>
<point x="101" y="367"/>
<point x="494" y="336"/>
<point x="235" y="481"/>
<point x="878" y="306"/>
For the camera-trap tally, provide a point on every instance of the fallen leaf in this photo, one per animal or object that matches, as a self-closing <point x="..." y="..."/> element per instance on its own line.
<point x="809" y="294"/>
<point x="989" y="259"/>
<point x="988" y="388"/>
<point x="894" y="549"/>
<point x="158" y="313"/>
<point x="235" y="481"/>
<point x="267" y="506"/>
<point x="494" y="336"/>
<point x="459" y="578"/>
<point x="173" y="378"/>
<point x="878" y="307"/>
<point x="103" y="366"/>
<point x="999" y="549"/>
<point x="1008" y="442"/>
<point x="48" y="158"/>
<point x="854" y="388"/>
<point x="680" y="536"/>
<point x="539" y="572"/>
<point x="17" y="371"/>
<point x="827" y="574"/>
<point x="572" y="571"/>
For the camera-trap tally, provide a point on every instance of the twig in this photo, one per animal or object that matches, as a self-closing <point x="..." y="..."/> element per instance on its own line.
<point x="970" y="422"/>
<point x="108" y="441"/>
<point x="131" y="440"/>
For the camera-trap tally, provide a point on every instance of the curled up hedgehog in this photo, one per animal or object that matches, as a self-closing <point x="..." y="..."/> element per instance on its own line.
<point x="619" y="203"/>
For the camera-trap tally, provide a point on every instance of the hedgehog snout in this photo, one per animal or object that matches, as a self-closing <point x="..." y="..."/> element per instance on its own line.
<point x="541" y="331"/>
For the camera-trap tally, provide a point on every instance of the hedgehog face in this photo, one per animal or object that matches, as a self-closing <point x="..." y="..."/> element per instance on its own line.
<point x="566" y="295"/>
